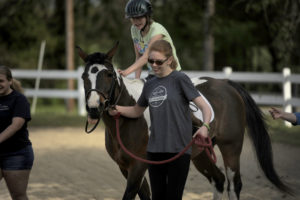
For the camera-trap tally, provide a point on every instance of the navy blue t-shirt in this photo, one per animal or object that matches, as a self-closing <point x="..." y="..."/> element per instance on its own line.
<point x="168" y="100"/>
<point x="297" y="118"/>
<point x="14" y="105"/>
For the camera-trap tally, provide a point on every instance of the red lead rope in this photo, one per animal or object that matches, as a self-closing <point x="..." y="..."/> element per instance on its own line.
<point x="200" y="141"/>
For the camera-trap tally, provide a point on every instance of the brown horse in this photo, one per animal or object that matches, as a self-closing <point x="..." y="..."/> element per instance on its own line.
<point x="234" y="111"/>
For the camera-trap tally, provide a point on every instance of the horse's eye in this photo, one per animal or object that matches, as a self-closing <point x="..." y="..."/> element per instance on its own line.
<point x="94" y="70"/>
<point x="110" y="74"/>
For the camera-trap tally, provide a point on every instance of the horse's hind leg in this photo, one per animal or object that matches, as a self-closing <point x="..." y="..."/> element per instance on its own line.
<point x="211" y="172"/>
<point x="136" y="182"/>
<point x="231" y="157"/>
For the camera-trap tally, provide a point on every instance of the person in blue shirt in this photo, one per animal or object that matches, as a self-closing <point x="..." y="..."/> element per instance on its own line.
<point x="293" y="118"/>
<point x="16" y="153"/>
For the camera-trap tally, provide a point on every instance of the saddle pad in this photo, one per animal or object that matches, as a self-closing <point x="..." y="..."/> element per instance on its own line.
<point x="198" y="114"/>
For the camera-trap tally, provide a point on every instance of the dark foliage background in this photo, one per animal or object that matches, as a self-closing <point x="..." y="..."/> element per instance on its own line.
<point x="256" y="35"/>
<point x="249" y="35"/>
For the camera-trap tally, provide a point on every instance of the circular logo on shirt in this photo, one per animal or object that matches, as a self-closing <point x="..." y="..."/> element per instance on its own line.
<point x="158" y="96"/>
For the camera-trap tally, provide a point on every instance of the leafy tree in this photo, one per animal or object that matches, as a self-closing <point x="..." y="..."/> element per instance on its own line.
<point x="256" y="35"/>
<point x="20" y="32"/>
<point x="100" y="24"/>
<point x="280" y="20"/>
<point x="183" y="20"/>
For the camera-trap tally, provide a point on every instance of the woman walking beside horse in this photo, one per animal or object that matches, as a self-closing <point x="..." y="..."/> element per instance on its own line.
<point x="233" y="107"/>
<point x="16" y="154"/>
<point x="168" y="96"/>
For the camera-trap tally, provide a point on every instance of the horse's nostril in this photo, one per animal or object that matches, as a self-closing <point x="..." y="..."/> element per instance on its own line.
<point x="94" y="113"/>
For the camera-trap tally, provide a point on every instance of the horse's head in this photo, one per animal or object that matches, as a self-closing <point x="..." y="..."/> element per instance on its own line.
<point x="100" y="80"/>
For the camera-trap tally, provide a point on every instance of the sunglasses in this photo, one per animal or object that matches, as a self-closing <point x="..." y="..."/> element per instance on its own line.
<point x="157" y="62"/>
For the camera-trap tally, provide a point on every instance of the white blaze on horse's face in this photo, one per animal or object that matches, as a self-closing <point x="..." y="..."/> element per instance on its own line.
<point x="94" y="98"/>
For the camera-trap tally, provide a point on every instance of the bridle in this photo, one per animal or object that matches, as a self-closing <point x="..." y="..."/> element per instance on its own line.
<point x="108" y="101"/>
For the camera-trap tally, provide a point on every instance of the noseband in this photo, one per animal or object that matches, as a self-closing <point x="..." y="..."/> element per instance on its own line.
<point x="108" y="102"/>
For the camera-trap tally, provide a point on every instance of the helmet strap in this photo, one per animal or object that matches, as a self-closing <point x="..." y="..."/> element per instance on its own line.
<point x="146" y="24"/>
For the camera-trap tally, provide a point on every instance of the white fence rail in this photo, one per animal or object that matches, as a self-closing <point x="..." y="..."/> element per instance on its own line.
<point x="286" y="79"/>
<point x="55" y="93"/>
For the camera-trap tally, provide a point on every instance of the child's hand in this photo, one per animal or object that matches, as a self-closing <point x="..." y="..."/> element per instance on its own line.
<point x="123" y="72"/>
<point x="202" y="131"/>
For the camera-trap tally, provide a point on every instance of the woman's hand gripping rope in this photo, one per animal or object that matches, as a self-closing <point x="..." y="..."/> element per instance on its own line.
<point x="203" y="142"/>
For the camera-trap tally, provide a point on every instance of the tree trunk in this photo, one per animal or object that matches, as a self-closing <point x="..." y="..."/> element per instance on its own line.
<point x="70" y="48"/>
<point x="208" y="49"/>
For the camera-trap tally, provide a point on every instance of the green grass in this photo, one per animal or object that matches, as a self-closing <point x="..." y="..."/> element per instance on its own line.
<point x="56" y="116"/>
<point x="57" y="120"/>
<point x="54" y="107"/>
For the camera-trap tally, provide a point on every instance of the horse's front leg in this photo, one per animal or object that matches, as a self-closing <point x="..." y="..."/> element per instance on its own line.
<point x="136" y="182"/>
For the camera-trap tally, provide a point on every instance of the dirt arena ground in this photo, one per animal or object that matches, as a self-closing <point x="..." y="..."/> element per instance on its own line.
<point x="71" y="165"/>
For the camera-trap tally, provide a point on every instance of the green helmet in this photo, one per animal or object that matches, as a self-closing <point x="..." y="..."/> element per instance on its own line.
<point x="138" y="8"/>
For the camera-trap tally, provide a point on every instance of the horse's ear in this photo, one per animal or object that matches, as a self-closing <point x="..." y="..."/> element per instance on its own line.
<point x="112" y="52"/>
<point x="81" y="53"/>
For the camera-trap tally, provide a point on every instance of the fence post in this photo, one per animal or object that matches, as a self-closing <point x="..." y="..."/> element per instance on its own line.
<point x="38" y="78"/>
<point x="81" y="95"/>
<point x="227" y="71"/>
<point x="287" y="92"/>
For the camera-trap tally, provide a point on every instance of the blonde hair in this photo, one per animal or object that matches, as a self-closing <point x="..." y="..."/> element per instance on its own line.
<point x="165" y="48"/>
<point x="16" y="85"/>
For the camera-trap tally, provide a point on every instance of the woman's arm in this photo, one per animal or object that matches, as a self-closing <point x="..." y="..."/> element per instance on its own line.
<point x="142" y="60"/>
<point x="138" y="72"/>
<point x="128" y="111"/>
<point x="203" y="106"/>
<point x="17" y="123"/>
<point x="276" y="113"/>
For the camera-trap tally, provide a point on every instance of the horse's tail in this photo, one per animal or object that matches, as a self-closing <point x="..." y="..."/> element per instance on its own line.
<point x="260" y="138"/>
